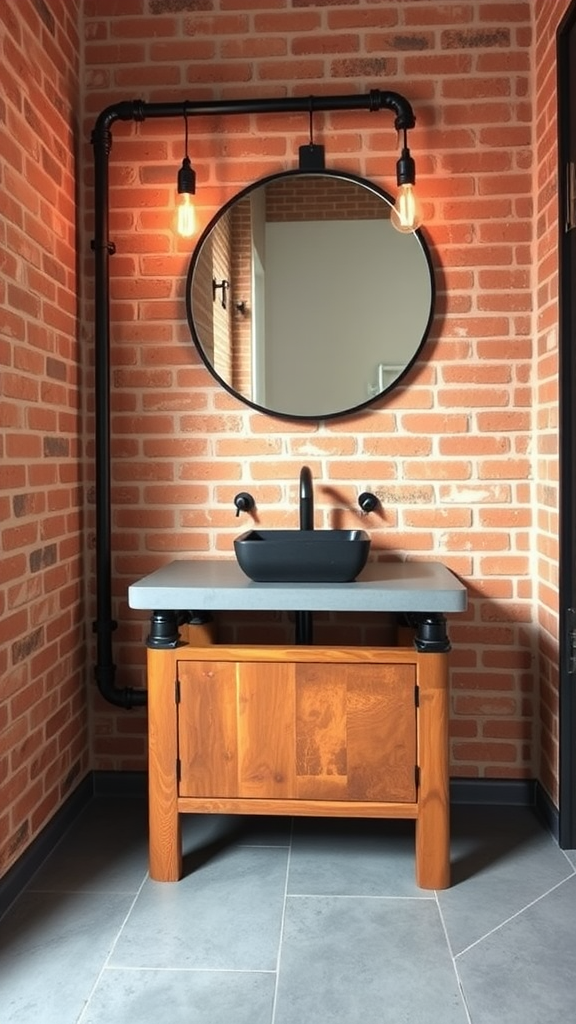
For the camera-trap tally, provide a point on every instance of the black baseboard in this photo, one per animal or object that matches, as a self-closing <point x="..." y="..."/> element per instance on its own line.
<point x="18" y="876"/>
<point x="547" y="811"/>
<point x="121" y="784"/>
<point x="508" y="793"/>
<point x="497" y="792"/>
<point x="130" y="785"/>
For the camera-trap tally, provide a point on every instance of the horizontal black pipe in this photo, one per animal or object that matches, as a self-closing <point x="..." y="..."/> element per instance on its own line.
<point x="138" y="110"/>
<point x="375" y="100"/>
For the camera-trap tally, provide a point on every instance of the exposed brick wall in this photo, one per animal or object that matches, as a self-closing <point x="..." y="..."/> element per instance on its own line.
<point x="545" y="445"/>
<point x="450" y="454"/>
<point x="43" y="718"/>
<point x="461" y="456"/>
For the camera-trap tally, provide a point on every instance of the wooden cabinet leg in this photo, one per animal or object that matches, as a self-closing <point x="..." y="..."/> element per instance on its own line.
<point x="165" y="842"/>
<point x="433" y="822"/>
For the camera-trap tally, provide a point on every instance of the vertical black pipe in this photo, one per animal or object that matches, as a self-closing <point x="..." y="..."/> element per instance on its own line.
<point x="104" y="625"/>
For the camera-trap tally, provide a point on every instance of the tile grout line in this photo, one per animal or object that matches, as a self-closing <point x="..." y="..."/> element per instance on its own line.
<point x="125" y="968"/>
<point x="281" y="938"/>
<point x="512" y="917"/>
<point x="566" y="852"/>
<point x="453" y="959"/>
<point x="79" y="892"/>
<point x="111" y="950"/>
<point x="355" y="896"/>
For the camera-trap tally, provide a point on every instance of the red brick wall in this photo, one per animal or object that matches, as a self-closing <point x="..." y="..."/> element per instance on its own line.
<point x="545" y="443"/>
<point x="450" y="453"/>
<point x="43" y="731"/>
<point x="462" y="456"/>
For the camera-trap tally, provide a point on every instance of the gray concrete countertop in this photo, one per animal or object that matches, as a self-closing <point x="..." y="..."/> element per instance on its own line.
<point x="220" y="585"/>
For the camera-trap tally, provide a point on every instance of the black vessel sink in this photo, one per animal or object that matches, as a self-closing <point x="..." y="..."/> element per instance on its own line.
<point x="302" y="556"/>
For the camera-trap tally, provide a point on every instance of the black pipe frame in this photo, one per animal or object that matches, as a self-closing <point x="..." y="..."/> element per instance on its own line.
<point x="103" y="248"/>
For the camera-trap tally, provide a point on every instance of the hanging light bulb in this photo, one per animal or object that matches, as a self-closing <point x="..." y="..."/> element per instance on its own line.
<point x="406" y="214"/>
<point x="186" y="189"/>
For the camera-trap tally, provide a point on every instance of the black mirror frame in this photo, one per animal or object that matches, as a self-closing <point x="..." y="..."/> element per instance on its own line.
<point x="341" y="413"/>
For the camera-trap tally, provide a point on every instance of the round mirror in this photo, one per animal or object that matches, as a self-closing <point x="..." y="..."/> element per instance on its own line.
<point x="302" y="298"/>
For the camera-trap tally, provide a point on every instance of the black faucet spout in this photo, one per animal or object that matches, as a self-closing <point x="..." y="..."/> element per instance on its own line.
<point x="306" y="499"/>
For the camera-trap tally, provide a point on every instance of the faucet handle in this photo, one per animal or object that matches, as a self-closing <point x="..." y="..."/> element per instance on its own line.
<point x="244" y="502"/>
<point x="368" y="502"/>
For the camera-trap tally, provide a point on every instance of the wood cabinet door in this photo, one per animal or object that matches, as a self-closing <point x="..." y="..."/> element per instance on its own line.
<point x="311" y="731"/>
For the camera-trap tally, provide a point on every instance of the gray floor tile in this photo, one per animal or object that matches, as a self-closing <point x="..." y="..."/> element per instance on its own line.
<point x="361" y="941"/>
<point x="524" y="972"/>
<point x="502" y="860"/>
<point x="52" y="947"/>
<point x="205" y="834"/>
<point x="105" y="850"/>
<point x="225" y="916"/>
<point x="353" y="857"/>
<point x="180" y="997"/>
<point x="348" y="960"/>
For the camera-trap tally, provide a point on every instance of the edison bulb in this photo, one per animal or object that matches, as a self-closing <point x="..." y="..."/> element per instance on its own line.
<point x="406" y="215"/>
<point x="186" y="215"/>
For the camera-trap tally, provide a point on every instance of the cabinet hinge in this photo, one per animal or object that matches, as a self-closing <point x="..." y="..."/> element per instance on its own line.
<point x="177" y="691"/>
<point x="571" y="634"/>
<point x="417" y="696"/>
<point x="417" y="775"/>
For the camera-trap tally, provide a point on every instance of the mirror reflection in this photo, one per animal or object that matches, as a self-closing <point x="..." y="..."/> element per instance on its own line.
<point x="303" y="300"/>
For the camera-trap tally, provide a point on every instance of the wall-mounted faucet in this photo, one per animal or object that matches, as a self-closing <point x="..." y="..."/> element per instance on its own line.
<point x="244" y="502"/>
<point x="306" y="504"/>
<point x="368" y="502"/>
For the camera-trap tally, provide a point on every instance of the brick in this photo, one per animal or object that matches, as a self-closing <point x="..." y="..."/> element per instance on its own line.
<point x="476" y="38"/>
<point x="470" y="397"/>
<point x="446" y="518"/>
<point x="397" y="446"/>
<point x="474" y="444"/>
<point x="485" y="706"/>
<point x="477" y="541"/>
<point x="507" y="730"/>
<point x="510" y="565"/>
<point x="471" y="493"/>
<point x="489" y="422"/>
<point x="145" y="28"/>
<point x="507" y="468"/>
<point x="435" y="423"/>
<point x="432" y="469"/>
<point x="510" y="518"/>
<point x="479" y="752"/>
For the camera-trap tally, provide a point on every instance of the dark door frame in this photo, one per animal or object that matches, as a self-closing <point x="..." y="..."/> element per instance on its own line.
<point x="567" y="388"/>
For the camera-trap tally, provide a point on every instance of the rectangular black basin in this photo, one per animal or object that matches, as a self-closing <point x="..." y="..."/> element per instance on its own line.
<point x="302" y="556"/>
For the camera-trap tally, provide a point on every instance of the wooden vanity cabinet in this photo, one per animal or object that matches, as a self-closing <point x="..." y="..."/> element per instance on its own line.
<point x="352" y="732"/>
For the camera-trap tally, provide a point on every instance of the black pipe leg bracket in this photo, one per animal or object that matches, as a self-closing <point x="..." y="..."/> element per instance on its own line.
<point x="164" y="633"/>
<point x="431" y="636"/>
